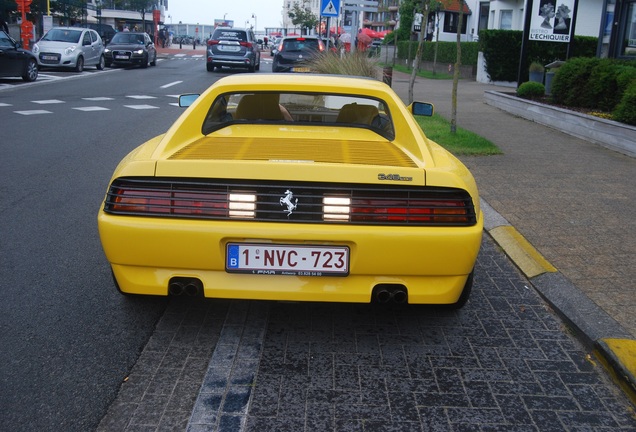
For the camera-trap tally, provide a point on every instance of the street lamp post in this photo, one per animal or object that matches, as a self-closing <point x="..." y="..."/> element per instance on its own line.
<point x="255" y="22"/>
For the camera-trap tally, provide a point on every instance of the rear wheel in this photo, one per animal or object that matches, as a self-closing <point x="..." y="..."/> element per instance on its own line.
<point x="79" y="66"/>
<point x="101" y="64"/>
<point x="31" y="71"/>
<point x="209" y="67"/>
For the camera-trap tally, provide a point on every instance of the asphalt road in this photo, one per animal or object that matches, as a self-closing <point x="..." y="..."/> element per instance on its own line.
<point x="67" y="338"/>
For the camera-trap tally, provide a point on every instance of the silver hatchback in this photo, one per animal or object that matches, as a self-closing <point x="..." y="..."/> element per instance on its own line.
<point x="70" y="47"/>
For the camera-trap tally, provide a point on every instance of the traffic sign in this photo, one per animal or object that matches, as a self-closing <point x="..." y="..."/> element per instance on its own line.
<point x="330" y="8"/>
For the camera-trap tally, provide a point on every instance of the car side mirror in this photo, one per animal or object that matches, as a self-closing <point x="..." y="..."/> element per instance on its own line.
<point x="422" y="109"/>
<point x="187" y="99"/>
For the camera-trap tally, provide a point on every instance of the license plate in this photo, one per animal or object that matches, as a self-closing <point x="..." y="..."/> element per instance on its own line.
<point x="229" y="48"/>
<point x="121" y="57"/>
<point x="49" y="57"/>
<point x="291" y="260"/>
<point x="300" y="69"/>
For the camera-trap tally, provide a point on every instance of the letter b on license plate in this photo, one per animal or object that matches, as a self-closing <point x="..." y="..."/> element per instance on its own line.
<point x="293" y="260"/>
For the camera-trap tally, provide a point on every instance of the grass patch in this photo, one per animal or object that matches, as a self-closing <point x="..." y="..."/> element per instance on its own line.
<point x="423" y="73"/>
<point x="462" y="143"/>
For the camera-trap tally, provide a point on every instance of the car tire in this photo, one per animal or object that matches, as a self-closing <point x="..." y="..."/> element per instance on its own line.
<point x="31" y="71"/>
<point x="154" y="60"/>
<point x="79" y="65"/>
<point x="101" y="64"/>
<point x="209" y="67"/>
<point x="251" y="68"/>
<point x="144" y="63"/>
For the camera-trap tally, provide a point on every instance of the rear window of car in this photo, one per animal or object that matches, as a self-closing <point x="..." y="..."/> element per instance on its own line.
<point x="301" y="44"/>
<point x="233" y="35"/>
<point x="315" y="109"/>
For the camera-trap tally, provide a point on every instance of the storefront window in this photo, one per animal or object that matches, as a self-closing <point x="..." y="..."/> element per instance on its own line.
<point x="629" y="47"/>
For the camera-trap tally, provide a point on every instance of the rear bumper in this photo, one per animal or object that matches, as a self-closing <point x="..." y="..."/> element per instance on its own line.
<point x="432" y="263"/>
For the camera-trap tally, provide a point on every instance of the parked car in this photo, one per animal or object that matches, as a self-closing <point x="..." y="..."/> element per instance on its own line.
<point x="294" y="51"/>
<point x="105" y="31"/>
<point x="70" y="47"/>
<point x="234" y="48"/>
<point x="311" y="188"/>
<point x="15" y="61"/>
<point x="131" y="48"/>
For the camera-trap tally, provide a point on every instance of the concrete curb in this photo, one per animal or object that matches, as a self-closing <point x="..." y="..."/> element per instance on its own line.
<point x="613" y="345"/>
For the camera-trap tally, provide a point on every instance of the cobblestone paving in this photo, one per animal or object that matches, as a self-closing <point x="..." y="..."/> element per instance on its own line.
<point x="503" y="363"/>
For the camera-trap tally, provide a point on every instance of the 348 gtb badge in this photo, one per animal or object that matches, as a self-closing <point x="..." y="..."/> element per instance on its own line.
<point x="301" y="189"/>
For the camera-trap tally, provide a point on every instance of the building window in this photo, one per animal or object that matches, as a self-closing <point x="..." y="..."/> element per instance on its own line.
<point x="629" y="41"/>
<point x="451" y="20"/>
<point x="505" y="20"/>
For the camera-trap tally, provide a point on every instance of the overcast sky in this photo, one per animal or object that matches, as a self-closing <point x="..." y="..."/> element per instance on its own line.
<point x="267" y="12"/>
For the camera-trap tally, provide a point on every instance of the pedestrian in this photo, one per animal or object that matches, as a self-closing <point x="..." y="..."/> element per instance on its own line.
<point x="162" y="37"/>
<point x="126" y="28"/>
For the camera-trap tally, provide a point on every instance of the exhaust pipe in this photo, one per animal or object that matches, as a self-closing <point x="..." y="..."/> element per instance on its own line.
<point x="194" y="287"/>
<point x="179" y="286"/>
<point x="176" y="288"/>
<point x="385" y="293"/>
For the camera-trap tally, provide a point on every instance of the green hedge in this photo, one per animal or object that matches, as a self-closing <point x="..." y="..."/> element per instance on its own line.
<point x="446" y="51"/>
<point x="502" y="49"/>
<point x="599" y="84"/>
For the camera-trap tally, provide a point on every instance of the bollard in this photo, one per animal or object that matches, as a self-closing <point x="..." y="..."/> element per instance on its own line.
<point x="180" y="43"/>
<point x="387" y="75"/>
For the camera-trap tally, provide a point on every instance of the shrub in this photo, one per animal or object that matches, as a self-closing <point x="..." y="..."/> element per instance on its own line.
<point x="354" y="64"/>
<point x="570" y="83"/>
<point x="531" y="90"/>
<point x="625" y="112"/>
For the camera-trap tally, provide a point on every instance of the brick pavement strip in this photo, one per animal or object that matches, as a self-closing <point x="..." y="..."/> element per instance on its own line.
<point x="504" y="362"/>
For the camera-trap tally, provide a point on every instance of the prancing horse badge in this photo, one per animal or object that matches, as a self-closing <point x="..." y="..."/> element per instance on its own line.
<point x="289" y="201"/>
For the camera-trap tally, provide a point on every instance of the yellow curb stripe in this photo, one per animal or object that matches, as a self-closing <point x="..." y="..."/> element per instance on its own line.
<point x="621" y="363"/>
<point x="522" y="253"/>
<point x="625" y="352"/>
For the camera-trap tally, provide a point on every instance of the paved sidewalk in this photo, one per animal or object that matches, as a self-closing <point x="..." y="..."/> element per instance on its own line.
<point x="572" y="200"/>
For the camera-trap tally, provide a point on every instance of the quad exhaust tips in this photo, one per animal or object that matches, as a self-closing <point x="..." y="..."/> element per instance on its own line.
<point x="386" y="293"/>
<point x="179" y="286"/>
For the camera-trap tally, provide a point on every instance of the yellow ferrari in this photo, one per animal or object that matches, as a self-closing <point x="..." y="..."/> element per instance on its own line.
<point x="300" y="188"/>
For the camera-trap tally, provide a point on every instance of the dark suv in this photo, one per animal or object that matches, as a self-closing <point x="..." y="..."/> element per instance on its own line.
<point x="294" y="51"/>
<point x="233" y="47"/>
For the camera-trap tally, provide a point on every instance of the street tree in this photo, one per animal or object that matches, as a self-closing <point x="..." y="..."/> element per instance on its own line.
<point x="458" y="63"/>
<point x="302" y="16"/>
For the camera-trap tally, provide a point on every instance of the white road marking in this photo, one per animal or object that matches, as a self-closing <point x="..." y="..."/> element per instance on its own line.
<point x="92" y="108"/>
<point x="96" y="99"/>
<point x="141" y="97"/>
<point x="171" y="84"/>
<point x="140" y="107"/>
<point x="33" y="112"/>
<point x="48" y="101"/>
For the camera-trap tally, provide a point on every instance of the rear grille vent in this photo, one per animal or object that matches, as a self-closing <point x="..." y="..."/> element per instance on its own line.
<point x="290" y="202"/>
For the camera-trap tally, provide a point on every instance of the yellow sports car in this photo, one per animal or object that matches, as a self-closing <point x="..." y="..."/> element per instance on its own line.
<point x="301" y="188"/>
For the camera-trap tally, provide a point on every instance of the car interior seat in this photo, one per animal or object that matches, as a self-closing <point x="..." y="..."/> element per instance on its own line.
<point x="357" y="114"/>
<point x="263" y="106"/>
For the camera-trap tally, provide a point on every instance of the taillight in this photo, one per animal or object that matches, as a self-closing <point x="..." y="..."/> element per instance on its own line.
<point x="408" y="211"/>
<point x="132" y="199"/>
<point x="213" y="42"/>
<point x="246" y="44"/>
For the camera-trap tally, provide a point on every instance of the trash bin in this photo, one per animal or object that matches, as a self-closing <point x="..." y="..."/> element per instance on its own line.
<point x="550" y="71"/>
